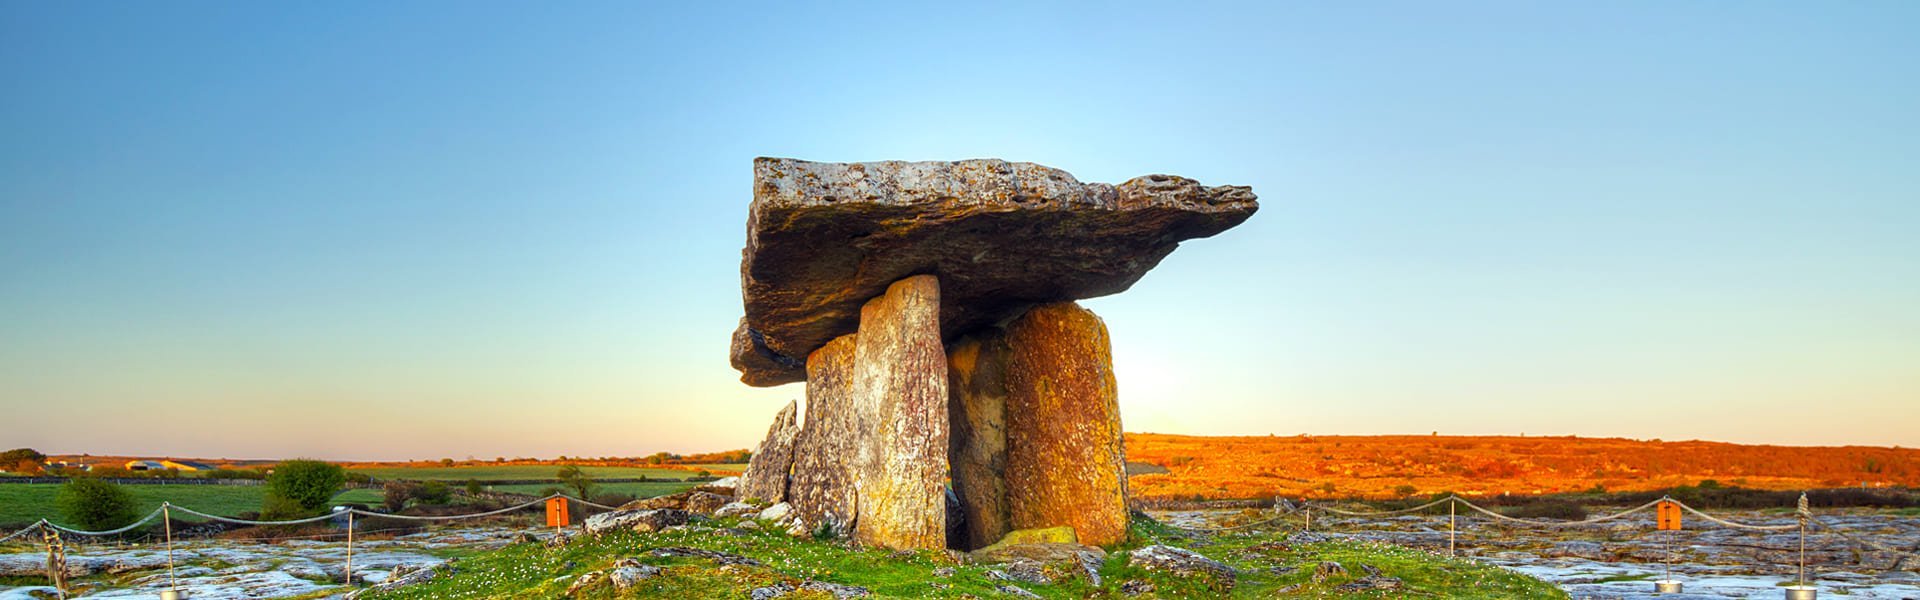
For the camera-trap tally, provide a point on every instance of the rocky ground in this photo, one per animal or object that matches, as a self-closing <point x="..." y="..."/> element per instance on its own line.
<point x="222" y="569"/>
<point x="1621" y="559"/>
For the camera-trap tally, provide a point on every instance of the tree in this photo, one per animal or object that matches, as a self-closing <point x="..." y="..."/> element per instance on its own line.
<point x="22" y="460"/>
<point x="95" y="504"/>
<point x="572" y="477"/>
<point x="307" y="484"/>
<point x="20" y="454"/>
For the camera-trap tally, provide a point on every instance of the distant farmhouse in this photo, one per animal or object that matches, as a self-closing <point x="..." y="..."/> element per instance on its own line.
<point x="162" y="465"/>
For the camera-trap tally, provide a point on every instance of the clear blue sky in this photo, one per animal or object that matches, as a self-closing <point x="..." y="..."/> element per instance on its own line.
<point x="425" y="229"/>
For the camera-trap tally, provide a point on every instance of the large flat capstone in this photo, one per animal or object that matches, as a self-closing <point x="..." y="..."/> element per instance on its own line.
<point x="824" y="238"/>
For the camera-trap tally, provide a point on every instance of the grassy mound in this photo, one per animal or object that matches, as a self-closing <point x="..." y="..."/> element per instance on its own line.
<point x="1267" y="566"/>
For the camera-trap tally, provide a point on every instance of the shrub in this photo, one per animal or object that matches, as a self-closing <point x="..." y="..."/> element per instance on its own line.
<point x="95" y="504"/>
<point x="309" y="484"/>
<point x="395" y="494"/>
<point x="436" y="493"/>
<point x="276" y="507"/>
<point x="474" y="487"/>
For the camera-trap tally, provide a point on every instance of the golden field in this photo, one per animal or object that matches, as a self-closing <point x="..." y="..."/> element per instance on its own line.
<point x="1398" y="466"/>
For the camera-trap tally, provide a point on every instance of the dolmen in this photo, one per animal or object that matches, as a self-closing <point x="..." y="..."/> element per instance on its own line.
<point x="929" y="308"/>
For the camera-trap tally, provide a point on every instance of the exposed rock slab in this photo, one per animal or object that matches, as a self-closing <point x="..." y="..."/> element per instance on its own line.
<point x="977" y="442"/>
<point x="899" y="398"/>
<point x="1066" y="459"/>
<point x="820" y="487"/>
<point x="766" y="476"/>
<point x="1185" y="563"/>
<point x="823" y="238"/>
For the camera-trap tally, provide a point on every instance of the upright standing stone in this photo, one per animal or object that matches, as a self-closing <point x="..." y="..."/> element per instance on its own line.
<point x="1066" y="462"/>
<point x="821" y="487"/>
<point x="977" y="409"/>
<point x="766" y="476"/>
<point x="900" y="396"/>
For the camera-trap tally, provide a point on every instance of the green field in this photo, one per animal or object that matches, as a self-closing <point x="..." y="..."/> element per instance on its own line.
<point x="484" y="473"/>
<point x="723" y="467"/>
<point x="24" y="503"/>
<point x="647" y="489"/>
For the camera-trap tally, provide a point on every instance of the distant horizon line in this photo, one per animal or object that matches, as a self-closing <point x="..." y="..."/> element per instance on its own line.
<point x="568" y="457"/>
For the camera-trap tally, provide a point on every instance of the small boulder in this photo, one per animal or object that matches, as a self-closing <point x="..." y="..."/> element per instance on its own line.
<point x="585" y="582"/>
<point x="725" y="486"/>
<point x="1046" y="552"/>
<point x="838" y="590"/>
<point x="1328" y="570"/>
<point x="694" y="501"/>
<point x="770" y="592"/>
<point x="644" y="521"/>
<point x="736" y="509"/>
<point x="1183" y="562"/>
<point x="723" y="558"/>
<point x="706" y="503"/>
<point x="624" y="577"/>
<point x="777" y="512"/>
<point x="1372" y="584"/>
<point x="1016" y="591"/>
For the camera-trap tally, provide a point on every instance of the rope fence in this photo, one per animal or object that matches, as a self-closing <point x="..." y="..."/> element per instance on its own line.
<point x="56" y="544"/>
<point x="1282" y="508"/>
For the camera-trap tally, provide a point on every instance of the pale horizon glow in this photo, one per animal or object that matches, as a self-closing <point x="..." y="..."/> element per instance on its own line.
<point x="418" y="230"/>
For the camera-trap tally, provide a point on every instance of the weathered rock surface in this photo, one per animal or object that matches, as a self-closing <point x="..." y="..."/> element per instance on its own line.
<point x="766" y="476"/>
<point x="644" y="521"/>
<point x="823" y="238"/>
<point x="1183" y="562"/>
<point x="977" y="442"/>
<point x="820" y="486"/>
<point x="693" y="501"/>
<point x="899" y="398"/>
<point x="1066" y="460"/>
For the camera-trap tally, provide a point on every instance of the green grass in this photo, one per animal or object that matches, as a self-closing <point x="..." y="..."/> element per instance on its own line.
<point x="535" y="571"/>
<point x="360" y="496"/>
<point x="647" y="489"/>
<point x="485" y="473"/>
<point x="24" y="503"/>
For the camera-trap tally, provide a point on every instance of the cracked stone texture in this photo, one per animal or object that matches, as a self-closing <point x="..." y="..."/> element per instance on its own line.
<point x="1066" y="460"/>
<point x="766" y="476"/>
<point x="820" y="487"/>
<point x="977" y="442"/>
<point x="899" y="398"/>
<point x="824" y="238"/>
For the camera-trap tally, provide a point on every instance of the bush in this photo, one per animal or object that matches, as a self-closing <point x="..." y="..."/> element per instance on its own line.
<point x="474" y="487"/>
<point x="95" y="504"/>
<point x="308" y="484"/>
<point x="276" y="507"/>
<point x="395" y="494"/>
<point x="435" y="493"/>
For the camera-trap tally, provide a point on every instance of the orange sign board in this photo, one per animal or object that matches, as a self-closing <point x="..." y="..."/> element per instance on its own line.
<point x="557" y="512"/>
<point x="1668" y="515"/>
